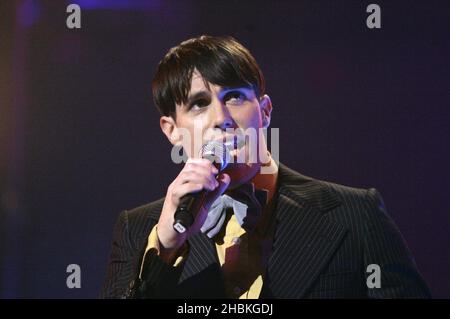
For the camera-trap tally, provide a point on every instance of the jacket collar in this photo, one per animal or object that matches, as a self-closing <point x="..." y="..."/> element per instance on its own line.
<point x="305" y="237"/>
<point x="304" y="240"/>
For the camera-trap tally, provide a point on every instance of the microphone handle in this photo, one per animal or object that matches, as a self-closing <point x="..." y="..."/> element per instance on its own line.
<point x="189" y="203"/>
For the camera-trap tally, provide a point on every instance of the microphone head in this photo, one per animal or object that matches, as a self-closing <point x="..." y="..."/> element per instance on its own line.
<point x="217" y="153"/>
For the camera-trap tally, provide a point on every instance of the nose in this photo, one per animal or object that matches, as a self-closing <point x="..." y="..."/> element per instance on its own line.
<point x="222" y="117"/>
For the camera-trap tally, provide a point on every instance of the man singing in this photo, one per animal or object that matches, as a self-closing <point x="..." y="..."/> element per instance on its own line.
<point x="262" y="230"/>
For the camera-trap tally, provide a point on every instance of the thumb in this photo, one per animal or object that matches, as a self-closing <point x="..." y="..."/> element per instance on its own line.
<point x="224" y="182"/>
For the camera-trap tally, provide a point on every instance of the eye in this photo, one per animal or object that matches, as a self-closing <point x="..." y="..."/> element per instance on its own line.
<point x="235" y="98"/>
<point x="198" y="104"/>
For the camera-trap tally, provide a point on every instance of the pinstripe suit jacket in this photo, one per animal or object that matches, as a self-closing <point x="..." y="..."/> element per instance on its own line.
<point x="326" y="236"/>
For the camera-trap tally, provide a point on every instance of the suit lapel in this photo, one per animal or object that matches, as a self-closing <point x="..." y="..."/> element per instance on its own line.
<point x="202" y="251"/>
<point x="202" y="255"/>
<point x="304" y="241"/>
<point x="305" y="237"/>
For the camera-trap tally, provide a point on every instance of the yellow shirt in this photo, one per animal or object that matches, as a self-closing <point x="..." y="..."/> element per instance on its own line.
<point x="243" y="256"/>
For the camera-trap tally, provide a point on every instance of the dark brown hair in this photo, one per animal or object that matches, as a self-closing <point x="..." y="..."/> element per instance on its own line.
<point x="220" y="60"/>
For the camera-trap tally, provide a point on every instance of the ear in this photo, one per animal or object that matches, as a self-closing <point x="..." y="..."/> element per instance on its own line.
<point x="266" y="109"/>
<point x="169" y="128"/>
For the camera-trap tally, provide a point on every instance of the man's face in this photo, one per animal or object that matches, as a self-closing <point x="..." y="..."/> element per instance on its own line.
<point x="214" y="112"/>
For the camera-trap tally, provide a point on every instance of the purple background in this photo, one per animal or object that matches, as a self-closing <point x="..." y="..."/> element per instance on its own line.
<point x="80" y="139"/>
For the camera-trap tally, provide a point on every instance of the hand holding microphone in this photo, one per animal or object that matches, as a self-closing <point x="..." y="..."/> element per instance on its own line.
<point x="217" y="153"/>
<point x="191" y="194"/>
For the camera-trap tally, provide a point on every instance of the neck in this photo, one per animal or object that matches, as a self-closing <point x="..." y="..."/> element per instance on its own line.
<point x="266" y="178"/>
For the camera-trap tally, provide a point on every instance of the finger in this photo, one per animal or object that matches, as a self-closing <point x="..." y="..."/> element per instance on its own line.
<point x="184" y="189"/>
<point x="208" y="180"/>
<point x="224" y="181"/>
<point x="203" y="166"/>
<point x="200" y="161"/>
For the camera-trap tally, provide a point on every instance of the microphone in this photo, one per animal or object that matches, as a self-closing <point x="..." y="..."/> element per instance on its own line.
<point x="218" y="154"/>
